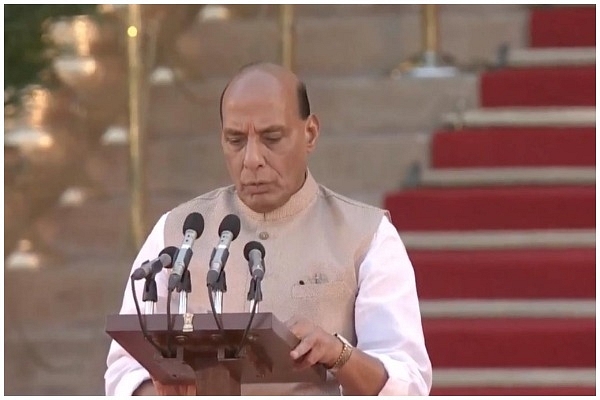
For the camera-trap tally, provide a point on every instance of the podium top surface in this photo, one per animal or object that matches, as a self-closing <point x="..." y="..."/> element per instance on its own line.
<point x="264" y="358"/>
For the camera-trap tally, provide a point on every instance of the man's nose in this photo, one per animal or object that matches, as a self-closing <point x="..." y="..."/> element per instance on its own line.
<point x="253" y="158"/>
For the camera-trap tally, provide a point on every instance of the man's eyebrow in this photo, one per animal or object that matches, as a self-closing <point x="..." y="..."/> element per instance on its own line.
<point x="271" y="128"/>
<point x="232" y="132"/>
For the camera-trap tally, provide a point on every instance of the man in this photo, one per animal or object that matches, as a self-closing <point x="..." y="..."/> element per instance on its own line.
<point x="337" y="271"/>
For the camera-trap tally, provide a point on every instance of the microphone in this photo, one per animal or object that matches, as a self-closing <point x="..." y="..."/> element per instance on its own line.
<point x="228" y="232"/>
<point x="149" y="268"/>
<point x="254" y="252"/>
<point x="192" y="229"/>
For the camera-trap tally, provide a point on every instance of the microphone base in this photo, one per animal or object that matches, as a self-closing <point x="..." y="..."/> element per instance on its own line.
<point x="149" y="307"/>
<point x="183" y="303"/>
<point x="217" y="296"/>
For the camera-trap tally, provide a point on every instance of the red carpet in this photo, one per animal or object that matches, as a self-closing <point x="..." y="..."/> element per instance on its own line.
<point x="506" y="274"/>
<point x="563" y="27"/>
<point x="493" y="208"/>
<point x="533" y="87"/>
<point x="518" y="147"/>
<point x="513" y="274"/>
<point x="513" y="391"/>
<point x="511" y="342"/>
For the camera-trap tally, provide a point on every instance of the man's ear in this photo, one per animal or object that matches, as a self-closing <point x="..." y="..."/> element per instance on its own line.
<point x="312" y="132"/>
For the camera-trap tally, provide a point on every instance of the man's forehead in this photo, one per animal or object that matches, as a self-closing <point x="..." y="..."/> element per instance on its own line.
<point x="260" y="83"/>
<point x="267" y="71"/>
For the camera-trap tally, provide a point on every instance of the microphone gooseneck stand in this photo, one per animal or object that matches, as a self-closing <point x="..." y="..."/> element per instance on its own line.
<point x="150" y="298"/>
<point x="255" y="297"/>
<point x="184" y="289"/>
<point x="254" y="252"/>
<point x="229" y="229"/>
<point x="215" y="295"/>
<point x="150" y="295"/>
<point x="255" y="294"/>
<point x="149" y="270"/>
<point x="179" y="278"/>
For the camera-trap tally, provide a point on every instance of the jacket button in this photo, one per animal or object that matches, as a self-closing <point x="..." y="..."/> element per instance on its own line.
<point x="263" y="235"/>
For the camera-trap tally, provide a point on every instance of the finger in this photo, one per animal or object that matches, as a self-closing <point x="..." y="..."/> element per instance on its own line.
<point x="314" y="356"/>
<point x="296" y="330"/>
<point x="309" y="359"/>
<point x="301" y="328"/>
<point x="295" y="327"/>
<point x="305" y="345"/>
<point x="301" y="363"/>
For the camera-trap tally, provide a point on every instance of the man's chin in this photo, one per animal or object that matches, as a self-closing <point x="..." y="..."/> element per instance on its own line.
<point x="260" y="203"/>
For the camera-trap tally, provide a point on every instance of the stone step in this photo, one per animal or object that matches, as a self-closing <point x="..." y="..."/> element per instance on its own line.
<point x="524" y="117"/>
<point x="69" y="230"/>
<point x="550" y="57"/>
<point x="42" y="360"/>
<point x="487" y="208"/>
<point x="267" y="11"/>
<point x="24" y="379"/>
<point x="374" y="198"/>
<point x="79" y="291"/>
<point x="475" y="240"/>
<point x="563" y="26"/>
<point x="514" y="147"/>
<point x="511" y="342"/>
<point x="188" y="166"/>
<point x="471" y="177"/>
<point x="101" y="226"/>
<point x="481" y="308"/>
<point x="539" y="87"/>
<point x="344" y="105"/>
<point x="78" y="331"/>
<point x="382" y="37"/>
<point x="517" y="274"/>
<point x="554" y="378"/>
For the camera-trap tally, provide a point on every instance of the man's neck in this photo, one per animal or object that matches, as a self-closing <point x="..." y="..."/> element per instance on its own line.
<point x="296" y="203"/>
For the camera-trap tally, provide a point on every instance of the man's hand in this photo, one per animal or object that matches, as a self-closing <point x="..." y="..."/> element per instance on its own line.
<point x="361" y="375"/>
<point x="154" y="388"/>
<point x="316" y="346"/>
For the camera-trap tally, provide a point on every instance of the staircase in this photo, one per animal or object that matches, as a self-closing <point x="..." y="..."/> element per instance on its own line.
<point x="364" y="115"/>
<point x="350" y="89"/>
<point x="501" y="227"/>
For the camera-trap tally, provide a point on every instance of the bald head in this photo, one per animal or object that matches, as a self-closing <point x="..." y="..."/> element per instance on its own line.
<point x="267" y="133"/>
<point x="266" y="75"/>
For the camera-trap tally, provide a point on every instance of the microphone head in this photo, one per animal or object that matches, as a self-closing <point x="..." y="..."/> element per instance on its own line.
<point x="195" y="222"/>
<point x="171" y="251"/>
<point x="253" y="246"/>
<point x="230" y="223"/>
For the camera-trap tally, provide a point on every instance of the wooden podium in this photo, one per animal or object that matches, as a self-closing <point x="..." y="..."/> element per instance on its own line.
<point x="206" y="356"/>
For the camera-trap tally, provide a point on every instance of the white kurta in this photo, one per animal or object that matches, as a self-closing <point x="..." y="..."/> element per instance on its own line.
<point x="387" y="317"/>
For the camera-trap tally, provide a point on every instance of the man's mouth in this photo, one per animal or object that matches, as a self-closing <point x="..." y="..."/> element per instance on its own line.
<point x="256" y="187"/>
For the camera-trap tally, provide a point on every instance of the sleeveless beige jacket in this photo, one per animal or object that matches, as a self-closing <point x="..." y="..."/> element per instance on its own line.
<point x="314" y="245"/>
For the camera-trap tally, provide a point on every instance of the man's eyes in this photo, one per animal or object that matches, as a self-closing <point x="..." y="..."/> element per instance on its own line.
<point x="272" y="139"/>
<point x="234" y="139"/>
